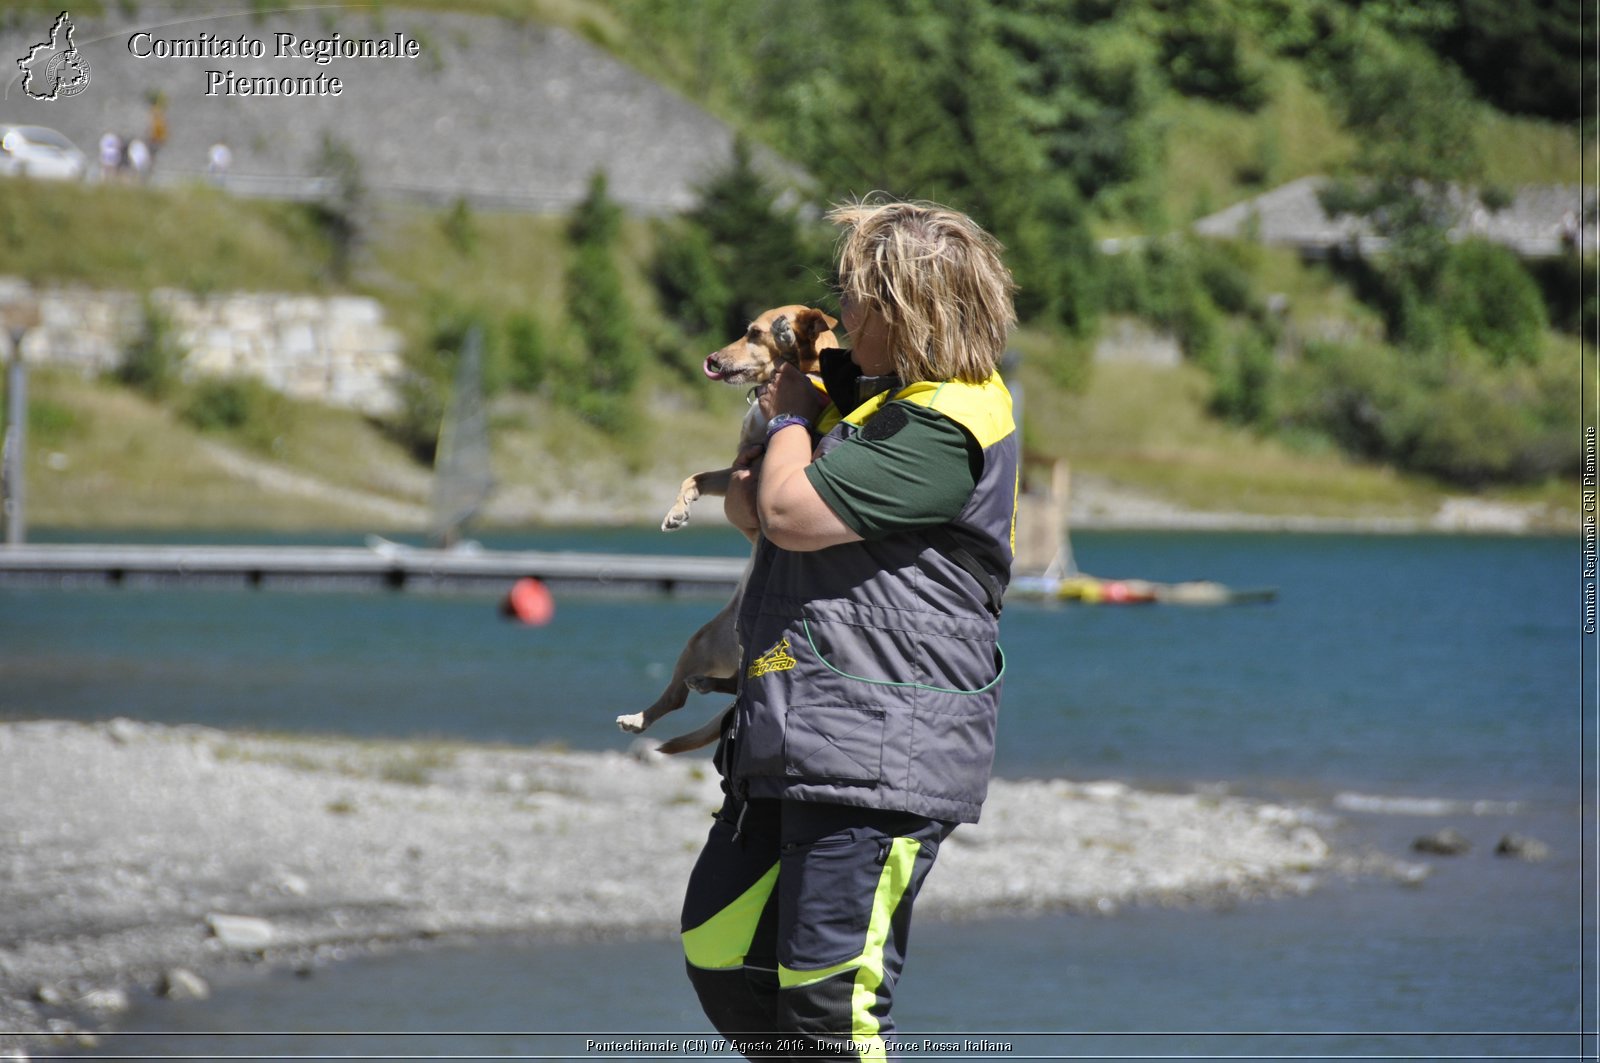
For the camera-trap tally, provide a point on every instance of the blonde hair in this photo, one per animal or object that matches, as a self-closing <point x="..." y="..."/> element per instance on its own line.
<point x="935" y="277"/>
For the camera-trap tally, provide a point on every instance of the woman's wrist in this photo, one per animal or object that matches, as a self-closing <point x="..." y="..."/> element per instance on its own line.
<point x="784" y="420"/>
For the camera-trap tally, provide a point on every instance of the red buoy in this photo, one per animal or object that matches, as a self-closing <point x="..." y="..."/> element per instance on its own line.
<point x="529" y="602"/>
<point x="1117" y="592"/>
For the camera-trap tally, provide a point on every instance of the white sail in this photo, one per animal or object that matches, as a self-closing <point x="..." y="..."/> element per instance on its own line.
<point x="462" y="477"/>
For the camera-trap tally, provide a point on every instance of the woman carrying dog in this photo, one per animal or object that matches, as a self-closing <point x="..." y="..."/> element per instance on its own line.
<point x="863" y="731"/>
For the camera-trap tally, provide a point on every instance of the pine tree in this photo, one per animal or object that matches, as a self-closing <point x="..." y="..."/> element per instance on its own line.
<point x="737" y="253"/>
<point x="611" y="355"/>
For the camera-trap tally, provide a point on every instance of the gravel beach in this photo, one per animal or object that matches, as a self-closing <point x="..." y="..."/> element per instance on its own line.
<point x="136" y="857"/>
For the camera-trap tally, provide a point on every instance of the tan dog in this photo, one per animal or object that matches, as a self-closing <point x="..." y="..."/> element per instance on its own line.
<point x="796" y="334"/>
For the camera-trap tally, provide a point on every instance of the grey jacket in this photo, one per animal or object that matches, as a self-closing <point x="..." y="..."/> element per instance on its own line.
<point x="872" y="670"/>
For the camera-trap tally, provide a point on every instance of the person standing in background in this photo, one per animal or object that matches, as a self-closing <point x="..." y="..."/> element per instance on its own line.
<point x="138" y="160"/>
<point x="157" y="138"/>
<point x="218" y="159"/>
<point x="110" y="155"/>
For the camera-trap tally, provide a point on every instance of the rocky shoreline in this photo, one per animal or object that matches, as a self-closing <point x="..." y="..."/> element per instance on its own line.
<point x="137" y="856"/>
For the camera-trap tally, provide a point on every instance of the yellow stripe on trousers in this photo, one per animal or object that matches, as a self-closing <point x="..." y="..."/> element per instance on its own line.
<point x="724" y="940"/>
<point x="892" y="886"/>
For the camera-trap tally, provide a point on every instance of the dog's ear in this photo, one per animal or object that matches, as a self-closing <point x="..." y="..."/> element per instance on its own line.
<point x="813" y="323"/>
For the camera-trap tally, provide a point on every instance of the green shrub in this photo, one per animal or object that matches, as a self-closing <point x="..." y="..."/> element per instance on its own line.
<point x="1485" y="291"/>
<point x="1225" y="270"/>
<point x="1411" y="315"/>
<point x="341" y="213"/>
<point x="738" y="253"/>
<point x="1204" y="54"/>
<point x="528" y="357"/>
<point x="422" y="389"/>
<point x="150" y="363"/>
<point x="599" y="311"/>
<point x="1052" y="254"/>
<point x="1354" y="394"/>
<point x="1415" y="118"/>
<point x="51" y="423"/>
<point x="1460" y="420"/>
<point x="1070" y="361"/>
<point x="689" y="280"/>
<point x="1243" y="382"/>
<point x="240" y="406"/>
<point x="460" y="228"/>
<point x="449" y="323"/>
<point x="428" y="377"/>
<point x="1169" y="281"/>
<point x="1571" y="289"/>
<point x="612" y="353"/>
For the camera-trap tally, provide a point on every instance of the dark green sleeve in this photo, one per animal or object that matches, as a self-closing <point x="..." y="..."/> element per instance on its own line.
<point x="909" y="467"/>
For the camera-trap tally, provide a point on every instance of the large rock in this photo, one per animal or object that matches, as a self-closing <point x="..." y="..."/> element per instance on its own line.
<point x="1522" y="847"/>
<point x="243" y="932"/>
<point x="1447" y="842"/>
<point x="108" y="1001"/>
<point x="180" y="983"/>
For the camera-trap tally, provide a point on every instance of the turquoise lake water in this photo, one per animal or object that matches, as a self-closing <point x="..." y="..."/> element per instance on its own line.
<point x="1394" y="675"/>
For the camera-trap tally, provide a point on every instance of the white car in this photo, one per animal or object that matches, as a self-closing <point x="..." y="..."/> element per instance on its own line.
<point x="34" y="151"/>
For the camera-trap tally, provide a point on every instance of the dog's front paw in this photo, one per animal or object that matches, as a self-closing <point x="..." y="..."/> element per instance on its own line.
<point x="633" y="723"/>
<point x="676" y="518"/>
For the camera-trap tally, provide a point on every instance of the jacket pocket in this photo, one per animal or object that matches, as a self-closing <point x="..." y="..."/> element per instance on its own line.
<point x="887" y="657"/>
<point x="953" y="735"/>
<point x="834" y="743"/>
<point x="853" y="646"/>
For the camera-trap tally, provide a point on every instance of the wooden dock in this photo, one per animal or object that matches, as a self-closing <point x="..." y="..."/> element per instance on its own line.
<point x="388" y="567"/>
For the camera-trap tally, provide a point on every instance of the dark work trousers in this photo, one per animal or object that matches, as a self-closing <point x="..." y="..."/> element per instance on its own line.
<point x="796" y="922"/>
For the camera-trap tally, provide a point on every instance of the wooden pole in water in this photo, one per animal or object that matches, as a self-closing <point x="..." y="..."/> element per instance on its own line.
<point x="14" y="476"/>
<point x="18" y="315"/>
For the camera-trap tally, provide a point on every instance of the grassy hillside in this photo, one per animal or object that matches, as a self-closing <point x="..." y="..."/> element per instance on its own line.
<point x="104" y="456"/>
<point x="1216" y="156"/>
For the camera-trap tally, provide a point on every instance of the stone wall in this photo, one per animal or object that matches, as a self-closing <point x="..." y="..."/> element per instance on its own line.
<point x="1540" y="221"/>
<point x="335" y="350"/>
<point x="1129" y="340"/>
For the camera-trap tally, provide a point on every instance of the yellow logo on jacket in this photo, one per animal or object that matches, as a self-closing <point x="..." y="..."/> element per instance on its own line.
<point x="777" y="659"/>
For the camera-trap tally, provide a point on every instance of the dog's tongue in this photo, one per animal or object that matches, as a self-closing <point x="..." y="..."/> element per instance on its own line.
<point x="711" y="369"/>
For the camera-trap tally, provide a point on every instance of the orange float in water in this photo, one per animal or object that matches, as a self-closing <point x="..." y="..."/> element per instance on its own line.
<point x="529" y="602"/>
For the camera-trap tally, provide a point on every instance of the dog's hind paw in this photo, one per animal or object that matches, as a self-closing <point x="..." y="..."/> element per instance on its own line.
<point x="633" y="723"/>
<point x="645" y="751"/>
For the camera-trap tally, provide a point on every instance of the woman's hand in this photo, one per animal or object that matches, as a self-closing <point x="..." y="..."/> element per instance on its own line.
<point x="792" y="515"/>
<point x="790" y="391"/>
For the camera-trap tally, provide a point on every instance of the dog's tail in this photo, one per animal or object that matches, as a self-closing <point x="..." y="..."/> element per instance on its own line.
<point x="696" y="739"/>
